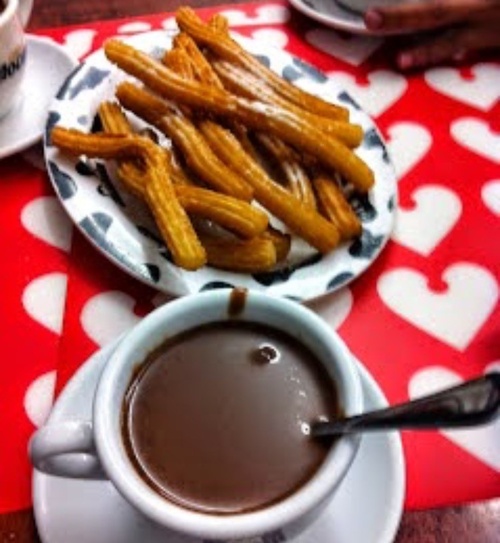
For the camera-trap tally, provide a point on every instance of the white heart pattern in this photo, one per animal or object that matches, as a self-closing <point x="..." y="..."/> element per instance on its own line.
<point x="134" y="27"/>
<point x="437" y="210"/>
<point x="78" y="43"/>
<point x="106" y="316"/>
<point x="46" y="219"/>
<point x="265" y="15"/>
<point x="454" y="316"/>
<point x="334" y="308"/>
<point x="351" y="49"/>
<point x="271" y="36"/>
<point x="482" y="443"/>
<point x="39" y="397"/>
<point x="383" y="90"/>
<point x="408" y="144"/>
<point x="476" y="135"/>
<point x="481" y="91"/>
<point x="490" y="193"/>
<point x="43" y="299"/>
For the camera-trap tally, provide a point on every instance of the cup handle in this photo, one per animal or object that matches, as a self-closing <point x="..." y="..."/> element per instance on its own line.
<point x="66" y="450"/>
<point x="24" y="11"/>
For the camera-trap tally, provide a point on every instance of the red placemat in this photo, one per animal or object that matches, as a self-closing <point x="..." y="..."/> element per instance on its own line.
<point x="425" y="314"/>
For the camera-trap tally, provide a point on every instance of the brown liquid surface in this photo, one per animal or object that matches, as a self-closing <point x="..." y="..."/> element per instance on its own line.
<point x="216" y="420"/>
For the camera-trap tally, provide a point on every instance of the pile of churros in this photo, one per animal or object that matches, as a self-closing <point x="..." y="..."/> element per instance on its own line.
<point x="244" y="146"/>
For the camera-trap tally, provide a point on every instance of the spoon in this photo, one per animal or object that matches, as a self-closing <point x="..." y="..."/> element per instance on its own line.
<point x="472" y="403"/>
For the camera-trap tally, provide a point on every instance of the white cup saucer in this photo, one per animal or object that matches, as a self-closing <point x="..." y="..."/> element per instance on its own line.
<point x="48" y="65"/>
<point x="367" y="507"/>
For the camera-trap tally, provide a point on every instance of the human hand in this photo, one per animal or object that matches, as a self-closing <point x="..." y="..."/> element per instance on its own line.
<point x="467" y="26"/>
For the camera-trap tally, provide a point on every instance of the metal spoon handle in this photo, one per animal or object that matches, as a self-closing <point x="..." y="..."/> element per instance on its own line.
<point x="472" y="403"/>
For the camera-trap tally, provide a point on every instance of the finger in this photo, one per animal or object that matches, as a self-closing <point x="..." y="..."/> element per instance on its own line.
<point x="414" y="16"/>
<point x="454" y="45"/>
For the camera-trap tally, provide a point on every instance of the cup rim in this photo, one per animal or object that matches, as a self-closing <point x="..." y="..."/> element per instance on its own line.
<point x="315" y="491"/>
<point x="8" y="12"/>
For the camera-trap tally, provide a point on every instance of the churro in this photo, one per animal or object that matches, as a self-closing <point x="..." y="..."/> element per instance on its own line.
<point x="254" y="255"/>
<point x="245" y="84"/>
<point x="224" y="114"/>
<point x="171" y="219"/>
<point x="233" y="214"/>
<point x="224" y="46"/>
<point x="172" y="122"/>
<point x="279" y="121"/>
<point x="302" y="220"/>
<point x="335" y="206"/>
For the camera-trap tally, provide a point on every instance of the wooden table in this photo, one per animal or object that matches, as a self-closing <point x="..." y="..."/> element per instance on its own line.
<point x="475" y="523"/>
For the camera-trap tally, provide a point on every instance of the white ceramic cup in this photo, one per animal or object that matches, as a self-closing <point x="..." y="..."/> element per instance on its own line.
<point x="91" y="448"/>
<point x="360" y="6"/>
<point x="13" y="19"/>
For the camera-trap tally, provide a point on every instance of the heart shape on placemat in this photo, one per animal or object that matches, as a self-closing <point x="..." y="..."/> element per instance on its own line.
<point x="476" y="135"/>
<point x="39" y="397"/>
<point x="107" y="315"/>
<point x="78" y="43"/>
<point x="382" y="90"/>
<point x="272" y="36"/>
<point x="351" y="49"/>
<point x="453" y="316"/>
<point x="408" y="143"/>
<point x="482" y="443"/>
<point x="46" y="219"/>
<point x="334" y="308"/>
<point x="481" y="91"/>
<point x="264" y="15"/>
<point x="43" y="299"/>
<point x="437" y="210"/>
<point x="490" y="193"/>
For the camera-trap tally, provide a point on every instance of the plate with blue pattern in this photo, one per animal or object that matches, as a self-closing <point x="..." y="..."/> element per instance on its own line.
<point x="121" y="227"/>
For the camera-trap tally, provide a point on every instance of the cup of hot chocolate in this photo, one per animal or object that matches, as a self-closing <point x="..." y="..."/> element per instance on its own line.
<point x="201" y="417"/>
<point x="14" y="15"/>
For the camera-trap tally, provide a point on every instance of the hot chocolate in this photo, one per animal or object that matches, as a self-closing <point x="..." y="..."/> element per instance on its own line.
<point x="216" y="419"/>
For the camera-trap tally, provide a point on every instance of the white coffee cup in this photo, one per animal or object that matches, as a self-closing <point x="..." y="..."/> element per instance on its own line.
<point x="89" y="449"/>
<point x="13" y="19"/>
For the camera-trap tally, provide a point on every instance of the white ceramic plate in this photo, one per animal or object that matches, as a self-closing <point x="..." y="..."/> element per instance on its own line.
<point x="333" y="14"/>
<point x="366" y="509"/>
<point x="121" y="227"/>
<point x="48" y="65"/>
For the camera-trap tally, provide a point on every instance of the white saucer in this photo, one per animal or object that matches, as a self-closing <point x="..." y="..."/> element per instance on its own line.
<point x="366" y="509"/>
<point x="331" y="13"/>
<point x="47" y="67"/>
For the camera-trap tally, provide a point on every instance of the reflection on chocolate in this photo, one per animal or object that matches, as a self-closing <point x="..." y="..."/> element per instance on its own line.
<point x="212" y="430"/>
<point x="266" y="354"/>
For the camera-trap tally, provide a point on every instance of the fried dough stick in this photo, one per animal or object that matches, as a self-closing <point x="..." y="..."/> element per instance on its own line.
<point x="301" y="219"/>
<point x="235" y="215"/>
<point x="225" y="47"/>
<point x="219" y="22"/>
<point x="305" y="222"/>
<point x="199" y="156"/>
<point x="278" y="121"/>
<point x="298" y="181"/>
<point x="243" y="83"/>
<point x="254" y="255"/>
<point x="191" y="63"/>
<point x="173" y="222"/>
<point x="335" y="206"/>
<point x="201" y="69"/>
